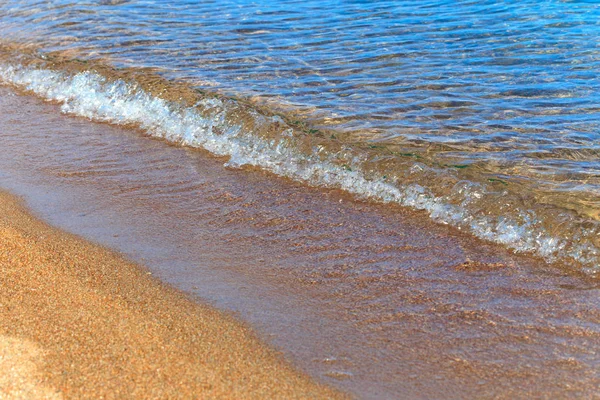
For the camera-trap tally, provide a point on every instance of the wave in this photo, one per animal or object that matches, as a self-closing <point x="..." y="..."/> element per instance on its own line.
<point x="489" y="208"/>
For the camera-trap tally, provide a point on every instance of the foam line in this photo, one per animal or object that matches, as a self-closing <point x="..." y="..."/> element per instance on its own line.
<point x="207" y="126"/>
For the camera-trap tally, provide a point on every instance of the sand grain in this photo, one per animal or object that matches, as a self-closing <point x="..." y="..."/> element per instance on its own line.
<point x="80" y="322"/>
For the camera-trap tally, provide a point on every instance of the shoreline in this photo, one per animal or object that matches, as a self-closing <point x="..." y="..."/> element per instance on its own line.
<point x="476" y="198"/>
<point x="373" y="300"/>
<point x="80" y="321"/>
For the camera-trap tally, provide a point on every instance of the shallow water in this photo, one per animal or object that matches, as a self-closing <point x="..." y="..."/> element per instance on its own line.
<point x="484" y="114"/>
<point x="374" y="299"/>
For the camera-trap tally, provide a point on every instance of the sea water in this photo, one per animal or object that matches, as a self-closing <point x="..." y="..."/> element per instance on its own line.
<point x="483" y="114"/>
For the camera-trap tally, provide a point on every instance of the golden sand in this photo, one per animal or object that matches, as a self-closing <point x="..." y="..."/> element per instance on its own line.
<point x="78" y="321"/>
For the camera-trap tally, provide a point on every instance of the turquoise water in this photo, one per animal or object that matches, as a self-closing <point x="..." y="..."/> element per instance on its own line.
<point x="483" y="114"/>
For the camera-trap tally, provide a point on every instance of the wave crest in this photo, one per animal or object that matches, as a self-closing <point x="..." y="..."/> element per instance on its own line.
<point x="246" y="136"/>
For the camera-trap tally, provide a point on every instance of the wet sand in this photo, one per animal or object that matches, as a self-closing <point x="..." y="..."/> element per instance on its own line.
<point x="78" y="321"/>
<point x="373" y="299"/>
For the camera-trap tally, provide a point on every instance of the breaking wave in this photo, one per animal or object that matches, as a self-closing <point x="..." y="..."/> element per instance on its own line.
<point x="248" y="136"/>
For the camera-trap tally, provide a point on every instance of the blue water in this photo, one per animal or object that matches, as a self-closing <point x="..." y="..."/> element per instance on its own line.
<point x="488" y="107"/>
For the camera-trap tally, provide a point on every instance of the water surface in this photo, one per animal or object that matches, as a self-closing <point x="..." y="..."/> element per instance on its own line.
<point x="482" y="113"/>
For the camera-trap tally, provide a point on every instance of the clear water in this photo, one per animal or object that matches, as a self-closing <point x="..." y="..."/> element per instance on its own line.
<point x="484" y="114"/>
<point x="370" y="298"/>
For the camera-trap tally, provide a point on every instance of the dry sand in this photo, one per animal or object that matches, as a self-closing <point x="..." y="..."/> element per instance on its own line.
<point x="78" y="321"/>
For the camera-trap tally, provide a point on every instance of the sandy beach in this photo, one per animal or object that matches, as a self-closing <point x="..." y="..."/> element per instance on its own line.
<point x="78" y="321"/>
<point x="299" y="199"/>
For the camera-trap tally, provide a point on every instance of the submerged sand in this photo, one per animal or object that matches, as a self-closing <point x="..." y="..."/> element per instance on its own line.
<point x="372" y="299"/>
<point x="77" y="320"/>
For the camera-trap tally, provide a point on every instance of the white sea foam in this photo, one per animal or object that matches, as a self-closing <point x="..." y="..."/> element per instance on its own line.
<point x="206" y="125"/>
